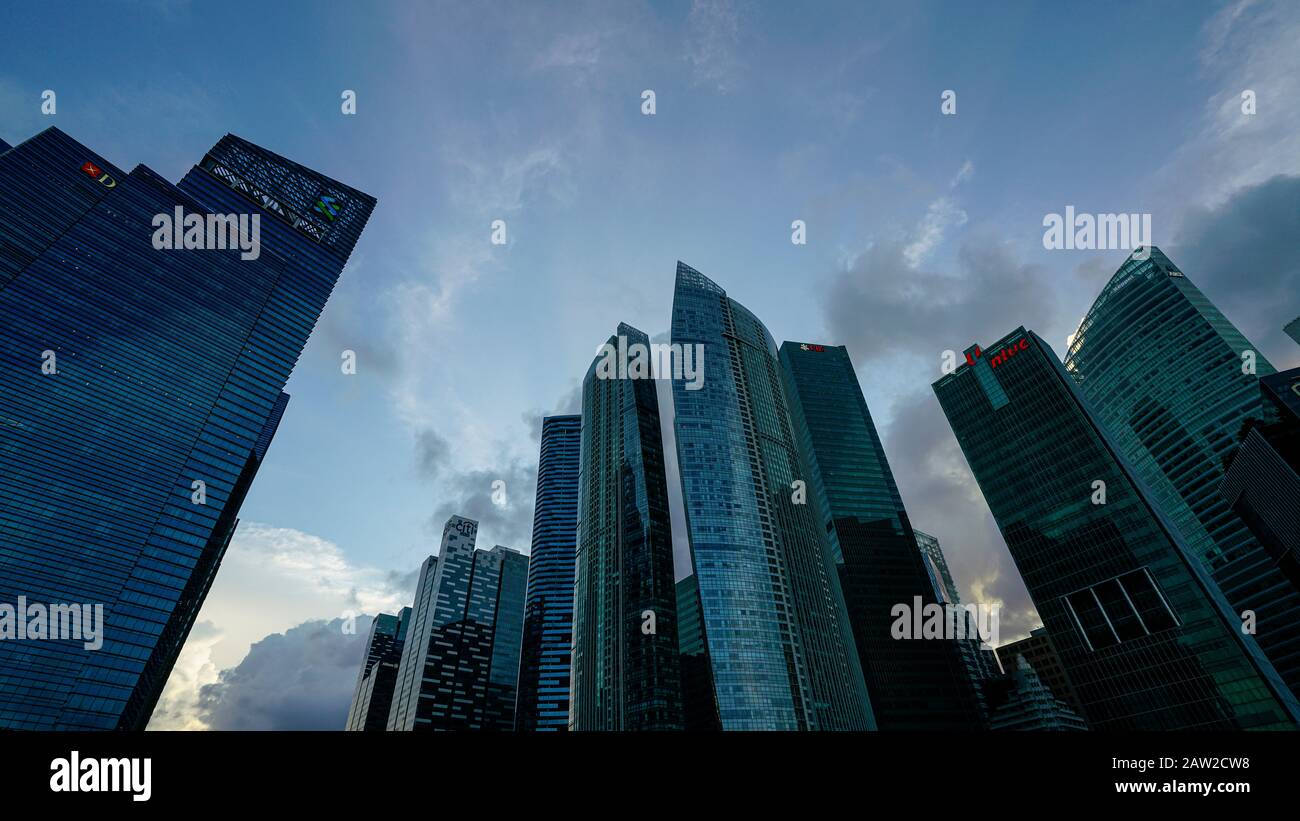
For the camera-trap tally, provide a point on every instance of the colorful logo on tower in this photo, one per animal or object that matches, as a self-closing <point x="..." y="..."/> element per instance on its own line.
<point x="97" y="174"/>
<point x="328" y="207"/>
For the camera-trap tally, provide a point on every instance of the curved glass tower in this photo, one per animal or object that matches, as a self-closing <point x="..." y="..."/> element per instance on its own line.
<point x="625" y="662"/>
<point x="776" y="630"/>
<point x="1164" y="370"/>
<point x="548" y="614"/>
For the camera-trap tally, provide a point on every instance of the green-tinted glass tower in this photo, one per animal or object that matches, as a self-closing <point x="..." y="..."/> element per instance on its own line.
<point x="780" y="648"/>
<point x="914" y="684"/>
<point x="1145" y="636"/>
<point x="625" y="664"/>
<point x="1173" y="380"/>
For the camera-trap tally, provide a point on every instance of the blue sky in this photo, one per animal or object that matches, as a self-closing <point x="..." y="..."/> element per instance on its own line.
<point x="924" y="233"/>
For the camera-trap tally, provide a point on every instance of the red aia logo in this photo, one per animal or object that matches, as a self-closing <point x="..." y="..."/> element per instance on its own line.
<point x="97" y="174"/>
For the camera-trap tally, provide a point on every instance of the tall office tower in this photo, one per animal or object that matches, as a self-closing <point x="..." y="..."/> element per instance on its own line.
<point x="1292" y="329"/>
<point x="373" y="697"/>
<point x="1171" y="379"/>
<point x="979" y="662"/>
<point x="780" y="647"/>
<point x="913" y="684"/>
<point x="140" y="387"/>
<point x="699" y="708"/>
<point x="1038" y="651"/>
<point x="1020" y="701"/>
<point x="460" y="662"/>
<point x="625" y="666"/>
<point x="1262" y="481"/>
<point x="547" y="655"/>
<point x="1144" y="634"/>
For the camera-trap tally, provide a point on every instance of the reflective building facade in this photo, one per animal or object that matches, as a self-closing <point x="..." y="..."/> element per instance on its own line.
<point x="625" y="665"/>
<point x="548" y="614"/>
<point x="1262" y="482"/>
<point x="913" y="684"/>
<point x="1170" y="377"/>
<point x="139" y="391"/>
<point x="1146" y="638"/>
<point x="777" y="635"/>
<point x="373" y="697"/>
<point x="460" y="663"/>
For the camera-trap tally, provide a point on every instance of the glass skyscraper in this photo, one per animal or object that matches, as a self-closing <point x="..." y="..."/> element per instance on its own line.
<point x="547" y="655"/>
<point x="625" y="665"/>
<point x="139" y="391"/>
<point x="1262" y="482"/>
<point x="913" y="684"/>
<point x="373" y="698"/>
<point x="1170" y="378"/>
<point x="780" y="647"/>
<point x="460" y="662"/>
<point x="1146" y="638"/>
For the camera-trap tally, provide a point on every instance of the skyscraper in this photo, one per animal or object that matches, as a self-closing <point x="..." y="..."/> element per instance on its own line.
<point x="460" y="663"/>
<point x="913" y="684"/>
<point x="1019" y="700"/>
<point x="1037" y="649"/>
<point x="1146" y="638"/>
<point x="1173" y="380"/>
<point x="140" y="388"/>
<point x="373" y="698"/>
<point x="547" y="654"/>
<point x="780" y="648"/>
<point x="699" y="708"/>
<point x="979" y="662"/>
<point x="1262" y="481"/>
<point x="625" y="666"/>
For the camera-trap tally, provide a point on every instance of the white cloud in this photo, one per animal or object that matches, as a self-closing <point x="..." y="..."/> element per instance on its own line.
<point x="271" y="579"/>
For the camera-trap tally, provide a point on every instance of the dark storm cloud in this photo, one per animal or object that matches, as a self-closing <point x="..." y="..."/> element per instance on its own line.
<point x="509" y="524"/>
<point x="1244" y="254"/>
<point x="880" y="305"/>
<point x="432" y="452"/>
<point x="301" y="679"/>
<point x="569" y="403"/>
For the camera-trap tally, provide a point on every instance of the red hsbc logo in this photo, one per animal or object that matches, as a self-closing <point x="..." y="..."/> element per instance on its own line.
<point x="999" y="357"/>
<point x="818" y="348"/>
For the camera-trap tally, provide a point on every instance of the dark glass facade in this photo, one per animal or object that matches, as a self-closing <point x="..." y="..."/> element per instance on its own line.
<point x="1262" y="482"/>
<point x="373" y="698"/>
<point x="1167" y="374"/>
<point x="780" y="647"/>
<point x="460" y="664"/>
<point x="699" y="710"/>
<point x="625" y="667"/>
<point x="1146" y="638"/>
<point x="547" y="655"/>
<point x="1037" y="649"/>
<point x="1019" y="700"/>
<point x="129" y="375"/>
<point x="913" y="684"/>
